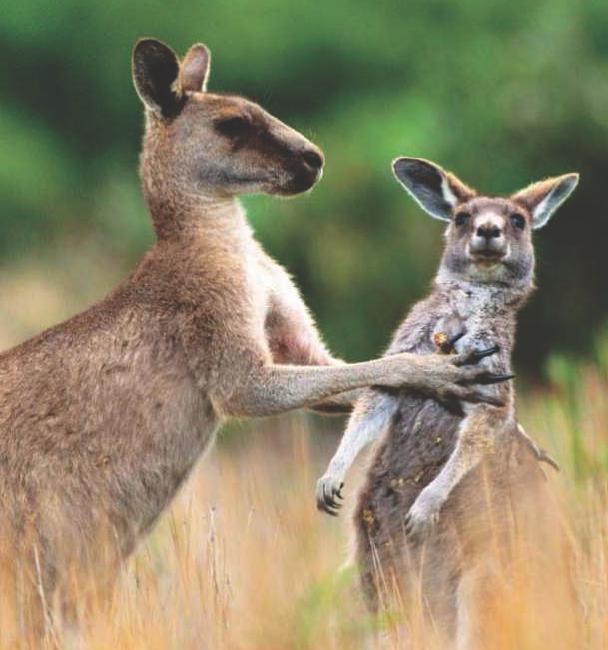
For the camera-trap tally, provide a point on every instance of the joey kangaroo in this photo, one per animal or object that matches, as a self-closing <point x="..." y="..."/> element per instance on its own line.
<point x="103" y="417"/>
<point x="421" y="505"/>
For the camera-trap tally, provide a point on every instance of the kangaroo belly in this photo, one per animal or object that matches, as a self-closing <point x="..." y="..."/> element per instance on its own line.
<point x="418" y="443"/>
<point x="106" y="449"/>
<point x="163" y="459"/>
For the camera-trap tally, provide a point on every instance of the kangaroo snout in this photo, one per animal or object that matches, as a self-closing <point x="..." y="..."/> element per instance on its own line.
<point x="304" y="165"/>
<point x="312" y="161"/>
<point x="314" y="158"/>
<point x="488" y="231"/>
<point x="488" y="238"/>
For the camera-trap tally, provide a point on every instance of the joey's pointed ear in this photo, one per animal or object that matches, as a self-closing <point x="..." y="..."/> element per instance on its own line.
<point x="543" y="198"/>
<point x="155" y="71"/>
<point x="194" y="71"/>
<point x="438" y="192"/>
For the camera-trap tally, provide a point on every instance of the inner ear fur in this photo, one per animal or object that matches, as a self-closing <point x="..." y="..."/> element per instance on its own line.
<point x="543" y="198"/>
<point x="437" y="191"/>
<point x="156" y="69"/>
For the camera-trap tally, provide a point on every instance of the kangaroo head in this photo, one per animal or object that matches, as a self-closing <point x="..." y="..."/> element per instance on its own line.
<point x="488" y="239"/>
<point x="207" y="144"/>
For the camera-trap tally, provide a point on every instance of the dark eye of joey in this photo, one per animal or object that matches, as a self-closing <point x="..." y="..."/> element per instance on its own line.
<point x="518" y="220"/>
<point x="461" y="218"/>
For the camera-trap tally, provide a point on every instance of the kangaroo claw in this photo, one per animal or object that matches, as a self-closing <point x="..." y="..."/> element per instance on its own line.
<point x="476" y="356"/>
<point x="541" y="455"/>
<point x="328" y="492"/>
<point x="456" y="338"/>
<point x="495" y="379"/>
<point x="544" y="457"/>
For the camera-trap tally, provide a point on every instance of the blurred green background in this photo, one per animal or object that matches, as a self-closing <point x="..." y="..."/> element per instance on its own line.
<point x="503" y="93"/>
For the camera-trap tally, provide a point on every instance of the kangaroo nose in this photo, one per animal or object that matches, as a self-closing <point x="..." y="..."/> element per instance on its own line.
<point x="313" y="158"/>
<point x="489" y="232"/>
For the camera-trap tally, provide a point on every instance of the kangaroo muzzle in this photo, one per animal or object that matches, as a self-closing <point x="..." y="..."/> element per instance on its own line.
<point x="488" y="241"/>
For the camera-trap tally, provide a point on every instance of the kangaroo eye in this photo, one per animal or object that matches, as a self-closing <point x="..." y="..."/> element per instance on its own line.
<point x="233" y="126"/>
<point x="461" y="218"/>
<point x="518" y="220"/>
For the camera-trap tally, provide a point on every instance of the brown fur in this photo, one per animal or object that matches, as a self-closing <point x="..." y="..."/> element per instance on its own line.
<point x="103" y="416"/>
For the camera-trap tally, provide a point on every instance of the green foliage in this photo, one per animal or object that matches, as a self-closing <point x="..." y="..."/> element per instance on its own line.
<point x="501" y="92"/>
<point x="578" y="402"/>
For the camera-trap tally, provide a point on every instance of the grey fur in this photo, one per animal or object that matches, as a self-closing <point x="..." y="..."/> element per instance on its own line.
<point x="425" y="478"/>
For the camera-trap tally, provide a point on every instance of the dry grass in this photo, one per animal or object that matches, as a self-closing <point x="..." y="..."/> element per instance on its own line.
<point x="244" y="561"/>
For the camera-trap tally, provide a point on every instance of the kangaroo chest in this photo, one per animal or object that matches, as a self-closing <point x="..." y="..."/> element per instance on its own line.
<point x="484" y="318"/>
<point x="423" y="432"/>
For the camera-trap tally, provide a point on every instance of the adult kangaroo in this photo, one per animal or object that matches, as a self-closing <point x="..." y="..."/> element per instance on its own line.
<point x="103" y="417"/>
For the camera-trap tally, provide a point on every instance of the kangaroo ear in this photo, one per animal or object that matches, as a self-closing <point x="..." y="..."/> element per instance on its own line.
<point x="155" y="71"/>
<point x="438" y="192"/>
<point x="543" y="198"/>
<point x="194" y="71"/>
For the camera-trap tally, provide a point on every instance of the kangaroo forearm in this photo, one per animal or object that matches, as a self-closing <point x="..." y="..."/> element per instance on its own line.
<point x="353" y="441"/>
<point x="365" y="426"/>
<point x="476" y="437"/>
<point x="338" y="404"/>
<point x="464" y="458"/>
<point x="276" y="389"/>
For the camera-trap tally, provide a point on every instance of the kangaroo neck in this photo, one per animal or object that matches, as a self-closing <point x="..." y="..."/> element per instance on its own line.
<point x="485" y="301"/>
<point x="213" y="222"/>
